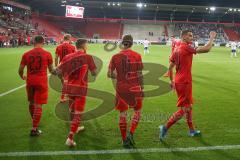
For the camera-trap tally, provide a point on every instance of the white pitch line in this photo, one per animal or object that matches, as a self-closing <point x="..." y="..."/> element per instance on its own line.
<point x="118" y="151"/>
<point x="12" y="90"/>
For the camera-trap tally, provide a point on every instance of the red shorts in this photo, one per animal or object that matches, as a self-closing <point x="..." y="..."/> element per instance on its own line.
<point x="184" y="92"/>
<point x="37" y="94"/>
<point x="123" y="105"/>
<point x="77" y="103"/>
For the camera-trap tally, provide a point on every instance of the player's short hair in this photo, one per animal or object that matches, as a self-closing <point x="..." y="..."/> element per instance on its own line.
<point x="38" y="40"/>
<point x="127" y="41"/>
<point x="67" y="37"/>
<point x="185" y="32"/>
<point x="80" y="42"/>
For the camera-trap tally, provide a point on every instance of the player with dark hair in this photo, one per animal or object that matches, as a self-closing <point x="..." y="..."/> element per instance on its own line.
<point x="74" y="69"/>
<point x="126" y="67"/>
<point x="37" y="61"/>
<point x="61" y="51"/>
<point x="182" y="60"/>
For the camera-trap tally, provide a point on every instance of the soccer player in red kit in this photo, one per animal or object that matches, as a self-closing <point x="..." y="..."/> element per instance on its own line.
<point x="182" y="60"/>
<point x="61" y="51"/>
<point x="175" y="44"/>
<point x="126" y="67"/>
<point x="37" y="61"/>
<point x="74" y="69"/>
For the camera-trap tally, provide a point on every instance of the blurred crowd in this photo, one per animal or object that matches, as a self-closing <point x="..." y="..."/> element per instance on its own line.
<point x="201" y="31"/>
<point x="14" y="29"/>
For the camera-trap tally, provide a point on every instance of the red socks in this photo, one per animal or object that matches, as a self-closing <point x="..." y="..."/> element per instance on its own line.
<point x="36" y="117"/>
<point x="123" y="126"/>
<point x="31" y="109"/>
<point x="135" y="121"/>
<point x="189" y="119"/>
<point x="74" y="125"/>
<point x="175" y="117"/>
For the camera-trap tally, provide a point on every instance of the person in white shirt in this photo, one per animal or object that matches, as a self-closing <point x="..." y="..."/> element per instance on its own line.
<point x="238" y="47"/>
<point x="146" y="46"/>
<point x="196" y="44"/>
<point x="234" y="49"/>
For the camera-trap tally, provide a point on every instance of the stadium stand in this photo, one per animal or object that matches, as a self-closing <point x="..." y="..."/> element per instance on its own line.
<point x="21" y="25"/>
<point x="142" y="31"/>
<point x="46" y="27"/>
<point x="201" y="31"/>
<point x="232" y="34"/>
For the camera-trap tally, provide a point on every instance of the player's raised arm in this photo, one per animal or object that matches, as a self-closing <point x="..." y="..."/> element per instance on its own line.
<point x="208" y="46"/>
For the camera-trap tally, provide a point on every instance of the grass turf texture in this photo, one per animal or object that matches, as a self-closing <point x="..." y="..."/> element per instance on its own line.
<point x="216" y="111"/>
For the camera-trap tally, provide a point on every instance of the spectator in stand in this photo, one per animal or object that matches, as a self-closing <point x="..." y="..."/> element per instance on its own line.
<point x="28" y="40"/>
<point x="1" y="41"/>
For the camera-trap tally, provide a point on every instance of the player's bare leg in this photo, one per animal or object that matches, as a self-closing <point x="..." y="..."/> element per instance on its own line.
<point x="37" y="114"/>
<point x="235" y="54"/>
<point x="148" y="51"/>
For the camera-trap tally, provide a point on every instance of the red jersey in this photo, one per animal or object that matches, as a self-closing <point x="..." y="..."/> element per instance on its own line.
<point x="64" y="49"/>
<point x="127" y="63"/>
<point x="74" y="67"/>
<point x="37" y="61"/>
<point x="182" y="57"/>
<point x="175" y="44"/>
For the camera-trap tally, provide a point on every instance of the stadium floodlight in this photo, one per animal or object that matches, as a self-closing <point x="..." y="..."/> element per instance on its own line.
<point x="113" y="4"/>
<point x="212" y="8"/>
<point x="139" y="5"/>
<point x="230" y="9"/>
<point x="145" y="5"/>
<point x="118" y="4"/>
<point x="235" y="10"/>
<point x="108" y="4"/>
<point x="206" y="8"/>
<point x="238" y="10"/>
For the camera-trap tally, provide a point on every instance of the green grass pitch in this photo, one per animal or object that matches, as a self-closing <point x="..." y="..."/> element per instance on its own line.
<point x="216" y="88"/>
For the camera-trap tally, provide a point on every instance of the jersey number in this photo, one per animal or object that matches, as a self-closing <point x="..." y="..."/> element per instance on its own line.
<point x="35" y="63"/>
